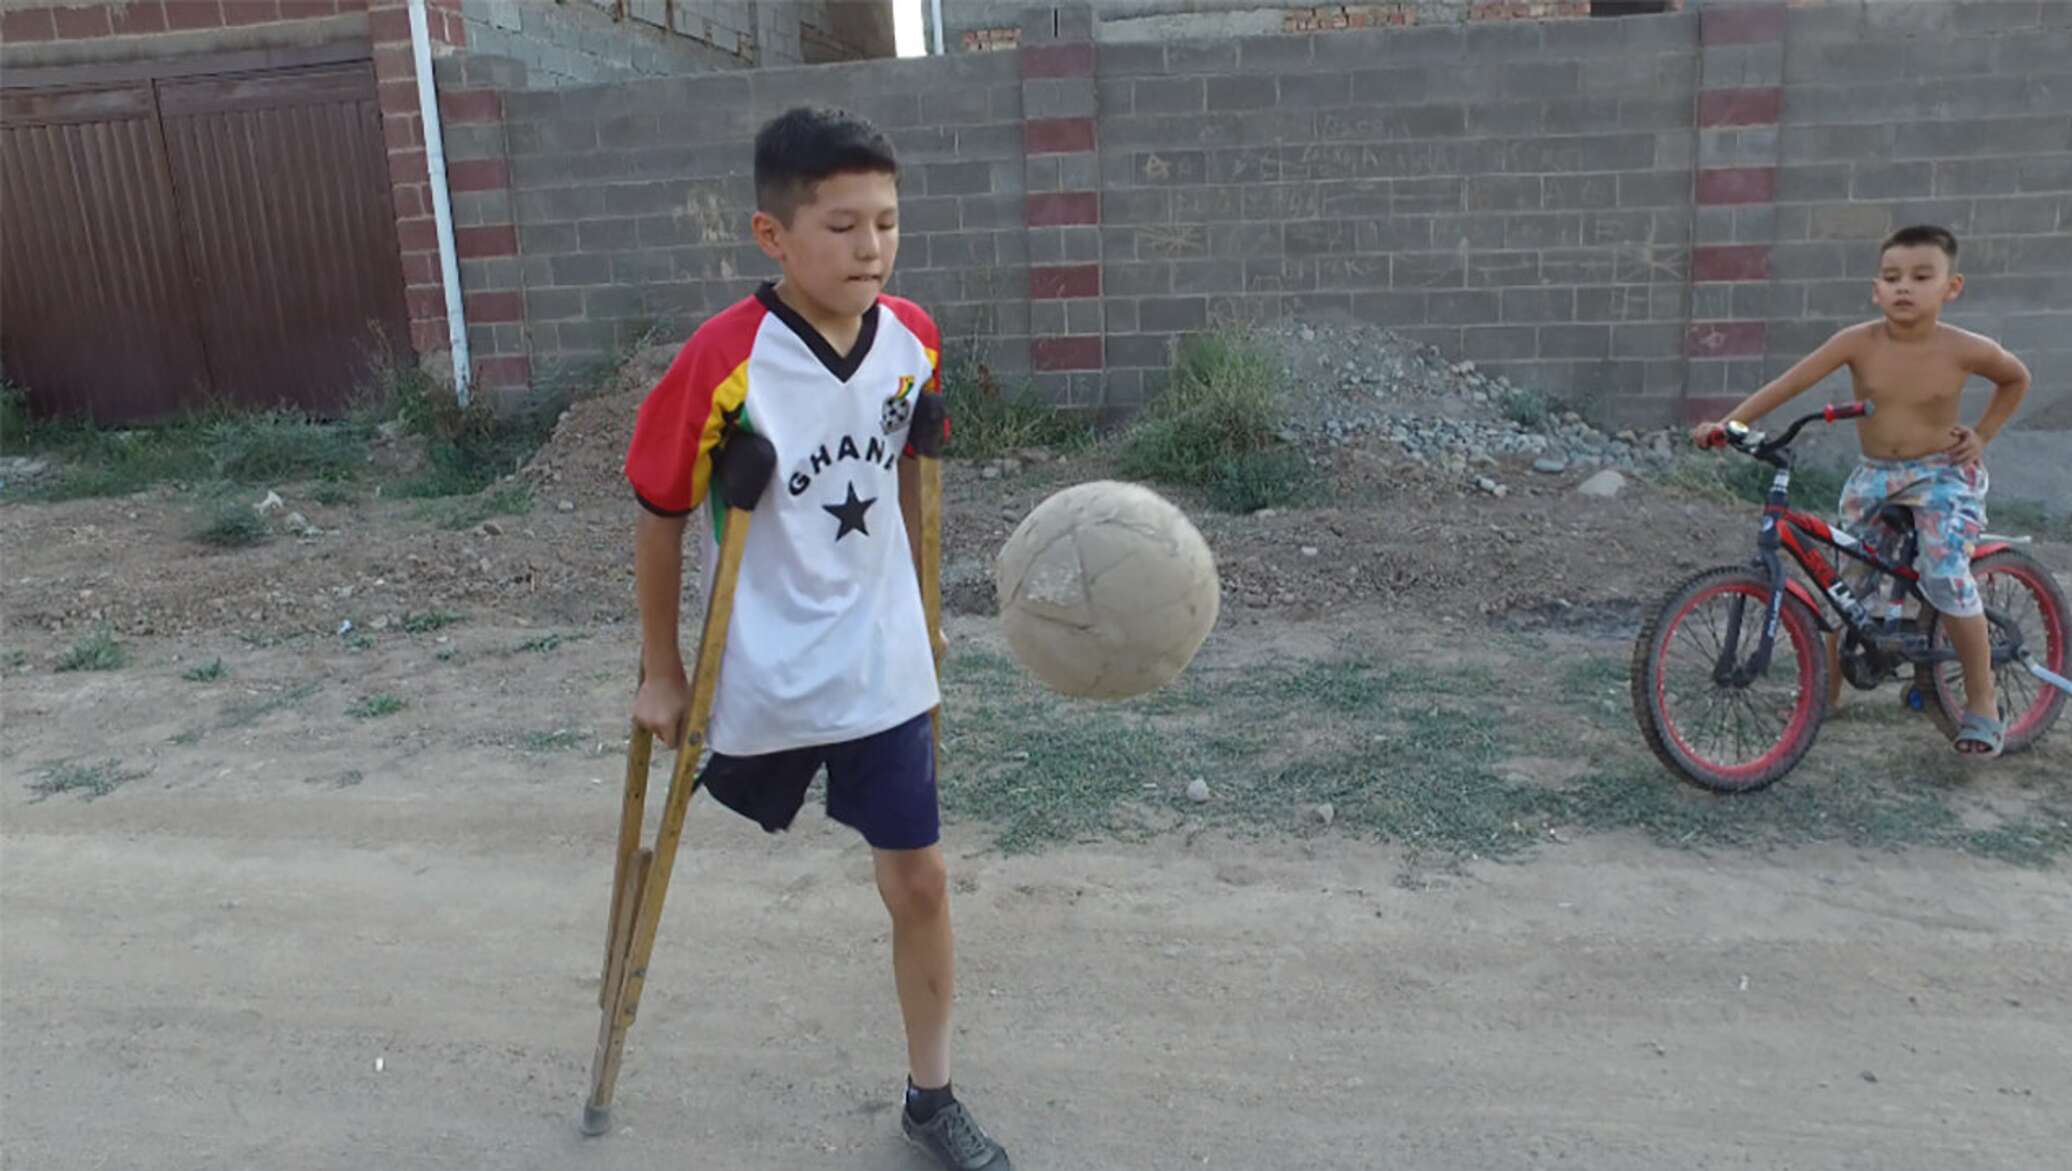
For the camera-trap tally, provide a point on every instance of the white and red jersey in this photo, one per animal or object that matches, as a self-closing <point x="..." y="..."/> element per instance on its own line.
<point x="828" y="640"/>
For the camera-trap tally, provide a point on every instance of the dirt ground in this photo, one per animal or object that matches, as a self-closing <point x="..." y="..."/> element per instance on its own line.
<point x="342" y="903"/>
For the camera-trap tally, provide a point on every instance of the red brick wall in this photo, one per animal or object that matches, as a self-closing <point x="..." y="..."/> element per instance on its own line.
<point x="132" y="18"/>
<point x="1326" y="17"/>
<point x="476" y="173"/>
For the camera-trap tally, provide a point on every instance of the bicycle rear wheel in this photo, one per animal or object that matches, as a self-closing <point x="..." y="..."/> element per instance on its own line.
<point x="1727" y="738"/>
<point x="2017" y="586"/>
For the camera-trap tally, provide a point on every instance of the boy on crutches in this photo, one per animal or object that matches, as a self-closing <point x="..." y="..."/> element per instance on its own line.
<point x="832" y="658"/>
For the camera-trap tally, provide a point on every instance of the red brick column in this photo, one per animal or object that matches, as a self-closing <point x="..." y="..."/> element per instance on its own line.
<point x="485" y="237"/>
<point x="1740" y="100"/>
<point x="1062" y="179"/>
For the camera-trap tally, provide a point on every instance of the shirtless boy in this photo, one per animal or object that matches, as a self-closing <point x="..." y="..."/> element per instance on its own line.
<point x="1916" y="452"/>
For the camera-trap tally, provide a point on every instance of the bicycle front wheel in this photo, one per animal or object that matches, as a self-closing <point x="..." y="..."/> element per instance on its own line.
<point x="1728" y="736"/>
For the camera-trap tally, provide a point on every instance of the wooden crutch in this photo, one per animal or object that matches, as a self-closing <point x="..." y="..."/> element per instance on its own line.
<point x="742" y="469"/>
<point x="928" y="432"/>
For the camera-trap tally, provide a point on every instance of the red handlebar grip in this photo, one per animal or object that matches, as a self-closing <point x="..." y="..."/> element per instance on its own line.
<point x="1836" y="412"/>
<point x="1715" y="438"/>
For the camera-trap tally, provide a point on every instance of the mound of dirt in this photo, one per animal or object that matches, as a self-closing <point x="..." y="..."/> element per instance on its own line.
<point x="585" y="455"/>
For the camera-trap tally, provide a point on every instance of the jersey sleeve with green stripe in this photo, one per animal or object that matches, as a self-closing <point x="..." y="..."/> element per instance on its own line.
<point x="669" y="461"/>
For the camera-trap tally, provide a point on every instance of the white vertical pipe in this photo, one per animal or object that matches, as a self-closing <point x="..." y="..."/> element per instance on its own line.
<point x="936" y="7"/>
<point x="442" y="206"/>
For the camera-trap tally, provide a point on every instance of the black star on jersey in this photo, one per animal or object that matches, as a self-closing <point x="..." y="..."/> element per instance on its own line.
<point x="850" y="513"/>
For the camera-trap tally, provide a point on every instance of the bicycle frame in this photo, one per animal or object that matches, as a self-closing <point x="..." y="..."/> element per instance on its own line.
<point x="1782" y="527"/>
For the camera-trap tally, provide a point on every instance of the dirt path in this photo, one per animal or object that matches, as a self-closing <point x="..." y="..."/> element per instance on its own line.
<point x="341" y="903"/>
<point x="202" y="968"/>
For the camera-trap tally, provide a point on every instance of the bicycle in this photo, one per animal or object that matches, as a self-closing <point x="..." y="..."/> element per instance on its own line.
<point x="1724" y="710"/>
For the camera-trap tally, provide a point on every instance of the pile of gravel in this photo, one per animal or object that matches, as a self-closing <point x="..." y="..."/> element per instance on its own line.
<point x="1352" y="383"/>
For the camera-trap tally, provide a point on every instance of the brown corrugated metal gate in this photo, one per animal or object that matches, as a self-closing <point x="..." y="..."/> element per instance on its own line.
<point x="176" y="234"/>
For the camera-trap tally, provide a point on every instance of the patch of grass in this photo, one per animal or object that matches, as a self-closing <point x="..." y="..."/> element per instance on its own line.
<point x="2035" y="842"/>
<point x="466" y="448"/>
<point x="1222" y="408"/>
<point x="559" y="740"/>
<point x="98" y="651"/>
<point x="14" y="417"/>
<point x="1280" y="477"/>
<point x="88" y="780"/>
<point x="374" y="707"/>
<point x="187" y="739"/>
<point x="1415" y="756"/>
<point x="208" y="672"/>
<point x="988" y="421"/>
<point x="247" y="712"/>
<point x="1855" y="806"/>
<point x="465" y="512"/>
<point x="210" y="445"/>
<point x="1036" y="790"/>
<point x="547" y="644"/>
<point x="1594" y="674"/>
<point x="1527" y="408"/>
<point x="231" y="524"/>
<point x="334" y="492"/>
<point x="1403" y="754"/>
<point x="1736" y="479"/>
<point x="14" y="660"/>
<point x="425" y="622"/>
<point x="276" y="446"/>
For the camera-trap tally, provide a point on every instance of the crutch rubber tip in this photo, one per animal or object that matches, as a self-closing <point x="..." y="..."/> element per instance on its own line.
<point x="596" y="1120"/>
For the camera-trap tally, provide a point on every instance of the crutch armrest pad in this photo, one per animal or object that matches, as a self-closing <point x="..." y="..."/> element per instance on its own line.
<point x="931" y="426"/>
<point x="742" y="468"/>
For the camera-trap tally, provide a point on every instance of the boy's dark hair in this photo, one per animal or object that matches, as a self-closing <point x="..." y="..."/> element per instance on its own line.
<point x="1919" y="235"/>
<point x="805" y="145"/>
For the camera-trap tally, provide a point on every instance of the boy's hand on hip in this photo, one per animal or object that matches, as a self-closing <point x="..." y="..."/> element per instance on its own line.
<point x="661" y="704"/>
<point x="1965" y="447"/>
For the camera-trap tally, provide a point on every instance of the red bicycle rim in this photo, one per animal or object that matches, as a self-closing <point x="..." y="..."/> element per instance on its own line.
<point x="2052" y="654"/>
<point x="1802" y="710"/>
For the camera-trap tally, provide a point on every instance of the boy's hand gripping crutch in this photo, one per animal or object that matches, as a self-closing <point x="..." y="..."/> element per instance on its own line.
<point x="741" y="471"/>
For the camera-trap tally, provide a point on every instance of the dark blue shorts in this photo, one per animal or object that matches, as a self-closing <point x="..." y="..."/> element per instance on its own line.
<point x="882" y="786"/>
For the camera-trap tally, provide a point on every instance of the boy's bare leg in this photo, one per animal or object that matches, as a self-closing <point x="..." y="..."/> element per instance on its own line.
<point x="1975" y="650"/>
<point x="915" y="887"/>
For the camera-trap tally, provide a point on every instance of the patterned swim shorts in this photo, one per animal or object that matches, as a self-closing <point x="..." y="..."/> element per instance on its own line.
<point x="1949" y="504"/>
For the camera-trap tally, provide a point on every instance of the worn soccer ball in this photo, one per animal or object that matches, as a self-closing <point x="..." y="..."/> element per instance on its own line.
<point x="1106" y="591"/>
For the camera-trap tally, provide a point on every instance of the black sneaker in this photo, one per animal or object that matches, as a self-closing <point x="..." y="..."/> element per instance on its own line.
<point x="956" y="1141"/>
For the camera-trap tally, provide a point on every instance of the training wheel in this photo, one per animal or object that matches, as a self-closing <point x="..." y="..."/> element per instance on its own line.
<point x="596" y="1120"/>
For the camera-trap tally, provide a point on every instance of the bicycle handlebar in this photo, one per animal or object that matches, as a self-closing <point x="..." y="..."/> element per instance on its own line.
<point x="1757" y="444"/>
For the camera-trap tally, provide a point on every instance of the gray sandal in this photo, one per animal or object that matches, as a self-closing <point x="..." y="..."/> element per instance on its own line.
<point x="1978" y="729"/>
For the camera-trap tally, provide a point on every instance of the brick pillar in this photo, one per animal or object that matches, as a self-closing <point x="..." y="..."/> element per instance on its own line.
<point x="485" y="232"/>
<point x="477" y="179"/>
<point x="1062" y="178"/>
<point x="1740" y="100"/>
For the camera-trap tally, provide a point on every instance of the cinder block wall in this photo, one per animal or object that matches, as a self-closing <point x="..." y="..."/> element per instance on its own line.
<point x="1517" y="194"/>
<point x="580" y="42"/>
<point x="1958" y="113"/>
<point x="632" y="202"/>
<point x="1648" y="215"/>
